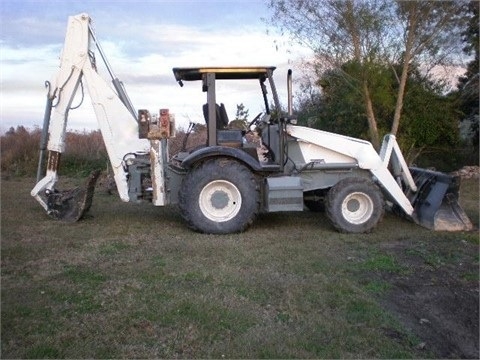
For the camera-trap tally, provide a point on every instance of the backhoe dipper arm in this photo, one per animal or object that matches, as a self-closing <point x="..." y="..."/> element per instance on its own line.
<point x="117" y="123"/>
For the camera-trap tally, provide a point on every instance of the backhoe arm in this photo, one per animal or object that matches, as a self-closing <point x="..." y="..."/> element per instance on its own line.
<point x="115" y="118"/>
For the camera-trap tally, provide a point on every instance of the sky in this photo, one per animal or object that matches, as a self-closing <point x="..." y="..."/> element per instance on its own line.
<point x="143" y="40"/>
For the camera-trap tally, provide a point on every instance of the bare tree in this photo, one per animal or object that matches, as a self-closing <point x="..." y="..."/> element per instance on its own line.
<point x="338" y="32"/>
<point x="431" y="30"/>
<point x="372" y="31"/>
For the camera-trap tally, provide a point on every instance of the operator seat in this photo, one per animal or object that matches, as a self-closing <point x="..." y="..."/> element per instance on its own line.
<point x="221" y="115"/>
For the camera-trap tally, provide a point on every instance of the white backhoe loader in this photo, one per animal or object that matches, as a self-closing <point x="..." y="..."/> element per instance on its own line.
<point x="222" y="186"/>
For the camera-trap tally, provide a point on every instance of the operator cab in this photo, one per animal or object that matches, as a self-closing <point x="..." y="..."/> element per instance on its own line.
<point x="216" y="117"/>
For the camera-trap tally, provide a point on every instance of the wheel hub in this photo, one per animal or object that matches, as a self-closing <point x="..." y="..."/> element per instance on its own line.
<point x="220" y="201"/>
<point x="357" y="207"/>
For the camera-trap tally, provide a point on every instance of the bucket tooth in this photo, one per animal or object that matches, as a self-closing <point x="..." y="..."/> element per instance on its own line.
<point x="71" y="205"/>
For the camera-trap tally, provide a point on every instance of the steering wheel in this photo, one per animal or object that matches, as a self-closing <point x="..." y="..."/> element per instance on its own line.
<point x="255" y="120"/>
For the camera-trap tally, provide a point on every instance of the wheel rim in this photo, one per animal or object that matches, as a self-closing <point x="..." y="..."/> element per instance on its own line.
<point x="220" y="201"/>
<point x="357" y="208"/>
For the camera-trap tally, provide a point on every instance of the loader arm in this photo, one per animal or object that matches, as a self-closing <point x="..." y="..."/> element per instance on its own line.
<point x="116" y="121"/>
<point x="362" y="152"/>
<point x="429" y="198"/>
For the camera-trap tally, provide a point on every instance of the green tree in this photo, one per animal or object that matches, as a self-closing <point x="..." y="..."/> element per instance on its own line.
<point x="430" y="35"/>
<point x="242" y="113"/>
<point x="468" y="86"/>
<point x="308" y="104"/>
<point x="342" y="108"/>
<point x="429" y="116"/>
<point x="371" y="33"/>
<point x="241" y="118"/>
<point x="338" y="32"/>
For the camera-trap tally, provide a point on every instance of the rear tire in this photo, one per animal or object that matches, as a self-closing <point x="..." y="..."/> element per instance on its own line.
<point x="219" y="196"/>
<point x="354" y="205"/>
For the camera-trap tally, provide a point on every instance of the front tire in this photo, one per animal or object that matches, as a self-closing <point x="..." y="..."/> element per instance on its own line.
<point x="354" y="205"/>
<point x="219" y="196"/>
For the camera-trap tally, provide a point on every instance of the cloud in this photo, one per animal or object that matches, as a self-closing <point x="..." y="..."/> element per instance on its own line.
<point x="142" y="53"/>
<point x="30" y="31"/>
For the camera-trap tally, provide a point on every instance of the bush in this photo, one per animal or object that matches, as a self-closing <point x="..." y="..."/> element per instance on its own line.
<point x="19" y="151"/>
<point x="447" y="159"/>
<point x="85" y="151"/>
<point x="184" y="141"/>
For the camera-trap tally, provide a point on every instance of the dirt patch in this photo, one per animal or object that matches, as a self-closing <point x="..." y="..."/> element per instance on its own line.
<point x="438" y="301"/>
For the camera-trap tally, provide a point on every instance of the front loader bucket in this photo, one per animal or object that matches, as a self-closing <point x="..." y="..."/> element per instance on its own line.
<point x="435" y="202"/>
<point x="71" y="205"/>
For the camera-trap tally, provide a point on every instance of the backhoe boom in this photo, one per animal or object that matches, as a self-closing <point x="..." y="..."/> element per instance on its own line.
<point x="115" y="115"/>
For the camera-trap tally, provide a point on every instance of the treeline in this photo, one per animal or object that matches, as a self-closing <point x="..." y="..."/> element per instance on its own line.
<point x="84" y="150"/>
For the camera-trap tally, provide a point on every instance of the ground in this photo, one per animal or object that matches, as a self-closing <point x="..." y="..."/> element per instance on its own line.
<point x="132" y="281"/>
<point x="438" y="302"/>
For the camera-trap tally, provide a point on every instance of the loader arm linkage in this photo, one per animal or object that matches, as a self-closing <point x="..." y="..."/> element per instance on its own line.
<point x="427" y="197"/>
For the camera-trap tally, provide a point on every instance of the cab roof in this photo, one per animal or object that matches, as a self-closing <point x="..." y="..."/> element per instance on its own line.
<point x="222" y="73"/>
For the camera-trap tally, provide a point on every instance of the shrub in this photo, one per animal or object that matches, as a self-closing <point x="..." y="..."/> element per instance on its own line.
<point x="19" y="151"/>
<point x="84" y="152"/>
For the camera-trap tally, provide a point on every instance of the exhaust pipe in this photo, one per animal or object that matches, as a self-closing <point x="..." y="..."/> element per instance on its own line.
<point x="289" y="92"/>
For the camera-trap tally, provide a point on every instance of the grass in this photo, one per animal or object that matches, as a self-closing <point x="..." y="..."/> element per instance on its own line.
<point x="131" y="281"/>
<point x="383" y="262"/>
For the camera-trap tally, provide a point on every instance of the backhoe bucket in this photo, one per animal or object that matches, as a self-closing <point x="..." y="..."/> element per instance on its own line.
<point x="436" y="201"/>
<point x="71" y="205"/>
